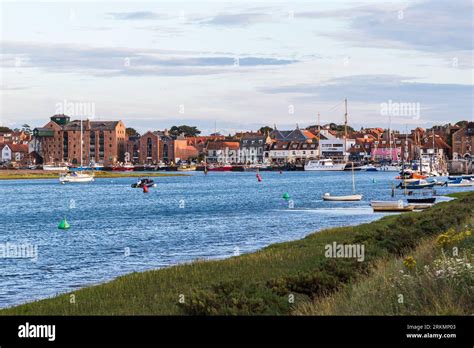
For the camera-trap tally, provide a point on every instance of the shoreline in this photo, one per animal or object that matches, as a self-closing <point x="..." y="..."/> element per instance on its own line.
<point x="259" y="281"/>
<point x="40" y="174"/>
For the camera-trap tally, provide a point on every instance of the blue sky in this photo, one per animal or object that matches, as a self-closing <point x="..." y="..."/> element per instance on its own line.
<point x="237" y="65"/>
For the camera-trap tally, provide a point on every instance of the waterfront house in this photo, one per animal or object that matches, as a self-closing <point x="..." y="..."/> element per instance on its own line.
<point x="252" y="146"/>
<point x="13" y="152"/>
<point x="223" y="152"/>
<point x="5" y="153"/>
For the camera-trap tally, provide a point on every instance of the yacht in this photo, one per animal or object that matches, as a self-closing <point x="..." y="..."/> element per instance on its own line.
<point x="323" y="165"/>
<point x="75" y="177"/>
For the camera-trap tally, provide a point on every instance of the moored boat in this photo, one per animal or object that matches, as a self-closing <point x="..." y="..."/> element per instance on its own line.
<point x="326" y="164"/>
<point x="219" y="168"/>
<point x="390" y="206"/>
<point x="126" y="167"/>
<point x="348" y="198"/>
<point x="144" y="183"/>
<point x="425" y="200"/>
<point x="52" y="167"/>
<point x="186" y="168"/>
<point x="460" y="183"/>
<point x="75" y="177"/>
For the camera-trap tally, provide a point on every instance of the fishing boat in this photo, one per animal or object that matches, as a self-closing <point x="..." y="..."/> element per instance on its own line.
<point x="186" y="168"/>
<point x="219" y="168"/>
<point x="349" y="198"/>
<point x="75" y="177"/>
<point x="368" y="168"/>
<point x="390" y="168"/>
<point x="390" y="206"/>
<point x="460" y="182"/>
<point x="326" y="164"/>
<point x="255" y="167"/>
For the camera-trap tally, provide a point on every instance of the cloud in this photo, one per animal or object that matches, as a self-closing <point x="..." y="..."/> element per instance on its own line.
<point x="432" y="25"/>
<point x="139" y="15"/>
<point x="439" y="101"/>
<point x="236" y="19"/>
<point x="128" y="62"/>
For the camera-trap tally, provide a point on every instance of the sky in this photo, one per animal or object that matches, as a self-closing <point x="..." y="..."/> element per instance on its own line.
<point x="236" y="65"/>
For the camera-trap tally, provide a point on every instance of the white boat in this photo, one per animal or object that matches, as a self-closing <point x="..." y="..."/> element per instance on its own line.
<point x="368" y="168"/>
<point x="52" y="167"/>
<point x="328" y="197"/>
<point x="460" y="183"/>
<point x="391" y="206"/>
<point x="75" y="177"/>
<point x="390" y="168"/>
<point x="323" y="165"/>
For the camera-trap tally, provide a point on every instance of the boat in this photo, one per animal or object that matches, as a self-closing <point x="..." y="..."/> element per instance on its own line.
<point x="390" y="206"/>
<point x="75" y="177"/>
<point x="126" y="167"/>
<point x="219" y="168"/>
<point x="186" y="168"/>
<point x="369" y="168"/>
<point x="415" y="185"/>
<point x="427" y="200"/>
<point x="390" y="168"/>
<point x="326" y="164"/>
<point x="52" y="167"/>
<point x="348" y="198"/>
<point x="328" y="197"/>
<point x="144" y="183"/>
<point x="255" y="167"/>
<point x="97" y="166"/>
<point x="460" y="183"/>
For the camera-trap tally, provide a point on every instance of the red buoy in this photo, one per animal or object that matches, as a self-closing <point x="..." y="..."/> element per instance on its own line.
<point x="259" y="178"/>
<point x="145" y="189"/>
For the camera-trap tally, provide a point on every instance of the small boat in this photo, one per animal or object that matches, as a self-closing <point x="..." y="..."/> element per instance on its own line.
<point x="186" y="168"/>
<point x="369" y="168"/>
<point x="144" y="183"/>
<point x="75" y="177"/>
<point x="347" y="198"/>
<point x="390" y="168"/>
<point x="53" y="167"/>
<point x="328" y="197"/>
<point x="427" y="200"/>
<point x="460" y="183"/>
<point x="255" y="167"/>
<point x="390" y="206"/>
<point x="416" y="185"/>
<point x="421" y="206"/>
<point x="323" y="165"/>
<point x="220" y="168"/>
<point x="127" y="167"/>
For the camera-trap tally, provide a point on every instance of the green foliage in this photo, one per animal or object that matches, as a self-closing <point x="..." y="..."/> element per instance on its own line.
<point x="188" y="131"/>
<point x="131" y="131"/>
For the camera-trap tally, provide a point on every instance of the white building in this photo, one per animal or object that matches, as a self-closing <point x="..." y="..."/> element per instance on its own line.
<point x="5" y="153"/>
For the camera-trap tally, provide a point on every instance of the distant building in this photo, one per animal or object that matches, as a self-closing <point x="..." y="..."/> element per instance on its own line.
<point x="13" y="152"/>
<point x="59" y="141"/>
<point x="463" y="142"/>
<point x="223" y="152"/>
<point x="252" y="146"/>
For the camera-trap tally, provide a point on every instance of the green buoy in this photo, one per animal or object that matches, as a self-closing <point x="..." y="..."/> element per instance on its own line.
<point x="374" y="181"/>
<point x="64" y="225"/>
<point x="286" y="195"/>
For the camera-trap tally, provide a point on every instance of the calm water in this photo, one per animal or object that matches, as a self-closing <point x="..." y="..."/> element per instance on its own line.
<point x="117" y="230"/>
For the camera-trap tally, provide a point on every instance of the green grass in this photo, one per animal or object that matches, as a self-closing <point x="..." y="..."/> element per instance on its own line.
<point x="275" y="280"/>
<point x="98" y="174"/>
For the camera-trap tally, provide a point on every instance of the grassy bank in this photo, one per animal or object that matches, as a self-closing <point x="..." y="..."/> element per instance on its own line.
<point x="39" y="174"/>
<point x="279" y="279"/>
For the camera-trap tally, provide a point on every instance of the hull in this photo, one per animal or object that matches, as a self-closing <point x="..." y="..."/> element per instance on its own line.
<point x="123" y="169"/>
<point x="186" y="169"/>
<point x="76" y="179"/>
<point x="55" y="168"/>
<point x="429" y="200"/>
<point x="220" y="169"/>
<point x="349" y="198"/>
<point x="390" y="206"/>
<point x="323" y="168"/>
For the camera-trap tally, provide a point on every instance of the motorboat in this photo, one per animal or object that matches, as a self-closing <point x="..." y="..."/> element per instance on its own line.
<point x="324" y="165"/>
<point x="414" y="185"/>
<point x="75" y="177"/>
<point x="52" y="167"/>
<point x="126" y="167"/>
<point x="219" y="168"/>
<point x="186" y="168"/>
<point x="144" y="183"/>
<point x="368" y="168"/>
<point x="390" y="168"/>
<point x="460" y="182"/>
<point x="424" y="200"/>
<point x="390" y="206"/>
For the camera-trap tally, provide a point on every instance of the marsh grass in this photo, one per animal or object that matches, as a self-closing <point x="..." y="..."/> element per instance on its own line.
<point x="282" y="278"/>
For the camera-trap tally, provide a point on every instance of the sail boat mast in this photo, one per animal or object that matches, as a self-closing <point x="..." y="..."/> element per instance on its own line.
<point x="82" y="142"/>
<point x="345" y="127"/>
<point x="319" y="136"/>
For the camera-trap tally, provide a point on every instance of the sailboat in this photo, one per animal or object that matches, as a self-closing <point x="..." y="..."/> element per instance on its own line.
<point x="349" y="198"/>
<point x="77" y="177"/>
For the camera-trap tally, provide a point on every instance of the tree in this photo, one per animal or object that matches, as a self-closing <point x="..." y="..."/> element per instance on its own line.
<point x="265" y="130"/>
<point x="26" y="128"/>
<point x="188" y="131"/>
<point x="462" y="123"/>
<point x="131" y="131"/>
<point x="5" y="129"/>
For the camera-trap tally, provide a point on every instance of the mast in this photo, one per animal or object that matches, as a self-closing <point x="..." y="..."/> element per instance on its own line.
<point x="353" y="179"/>
<point x="319" y="136"/>
<point x="82" y="142"/>
<point x="390" y="137"/>
<point x="345" y="128"/>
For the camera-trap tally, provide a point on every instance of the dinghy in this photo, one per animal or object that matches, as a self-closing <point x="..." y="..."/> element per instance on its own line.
<point x="390" y="206"/>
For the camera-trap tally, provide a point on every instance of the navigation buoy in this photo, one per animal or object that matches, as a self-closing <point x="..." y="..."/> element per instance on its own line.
<point x="374" y="181"/>
<point x="259" y="178"/>
<point x="64" y="225"/>
<point x="281" y="172"/>
<point x="286" y="195"/>
<point x="145" y="189"/>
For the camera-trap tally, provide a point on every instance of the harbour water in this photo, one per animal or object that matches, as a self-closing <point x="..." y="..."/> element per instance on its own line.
<point x="116" y="229"/>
